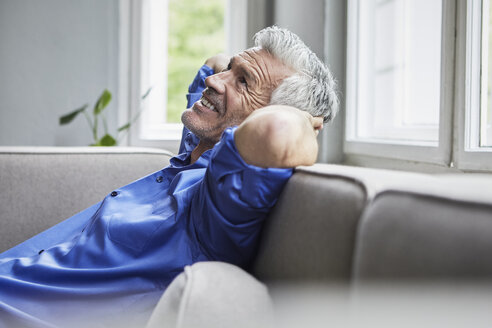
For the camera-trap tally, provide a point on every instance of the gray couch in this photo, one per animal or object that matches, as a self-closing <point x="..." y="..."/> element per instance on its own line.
<point x="333" y="225"/>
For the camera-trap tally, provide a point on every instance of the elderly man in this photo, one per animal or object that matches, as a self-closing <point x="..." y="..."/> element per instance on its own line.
<point x="248" y="126"/>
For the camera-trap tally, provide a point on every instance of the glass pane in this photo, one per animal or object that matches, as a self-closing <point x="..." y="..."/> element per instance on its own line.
<point x="196" y="32"/>
<point x="399" y="69"/>
<point x="486" y="117"/>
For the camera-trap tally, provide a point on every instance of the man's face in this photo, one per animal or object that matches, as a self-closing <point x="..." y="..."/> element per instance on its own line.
<point x="231" y="95"/>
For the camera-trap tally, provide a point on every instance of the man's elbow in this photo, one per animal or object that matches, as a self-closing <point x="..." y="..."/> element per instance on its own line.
<point x="289" y="144"/>
<point x="275" y="139"/>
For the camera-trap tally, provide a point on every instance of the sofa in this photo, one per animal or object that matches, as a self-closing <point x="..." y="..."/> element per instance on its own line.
<point x="338" y="236"/>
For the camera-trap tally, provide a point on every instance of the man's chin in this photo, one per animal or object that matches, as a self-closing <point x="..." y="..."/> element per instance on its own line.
<point x="198" y="126"/>
<point x="188" y="123"/>
<point x="184" y="118"/>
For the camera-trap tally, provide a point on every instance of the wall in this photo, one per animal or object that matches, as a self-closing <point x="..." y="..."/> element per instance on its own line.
<point x="331" y="139"/>
<point x="321" y="25"/>
<point x="55" y="56"/>
<point x="260" y="14"/>
<point x="305" y="18"/>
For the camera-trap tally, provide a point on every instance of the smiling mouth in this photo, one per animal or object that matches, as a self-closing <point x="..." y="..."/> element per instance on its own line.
<point x="207" y="104"/>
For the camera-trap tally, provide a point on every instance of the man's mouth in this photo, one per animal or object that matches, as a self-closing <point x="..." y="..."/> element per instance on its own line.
<point x="207" y="104"/>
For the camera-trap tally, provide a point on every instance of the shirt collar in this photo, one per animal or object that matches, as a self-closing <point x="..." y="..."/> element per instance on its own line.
<point x="183" y="159"/>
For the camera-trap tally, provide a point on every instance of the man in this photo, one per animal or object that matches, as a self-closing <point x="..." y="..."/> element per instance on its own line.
<point x="111" y="262"/>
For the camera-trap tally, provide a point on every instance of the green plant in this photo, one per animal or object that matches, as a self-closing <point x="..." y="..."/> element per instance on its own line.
<point x="97" y="113"/>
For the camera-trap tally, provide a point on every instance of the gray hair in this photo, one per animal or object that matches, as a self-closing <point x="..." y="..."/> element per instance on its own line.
<point x="312" y="88"/>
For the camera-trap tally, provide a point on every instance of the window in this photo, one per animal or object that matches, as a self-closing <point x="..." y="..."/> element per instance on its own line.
<point x="177" y="36"/>
<point x="398" y="70"/>
<point x="398" y="76"/>
<point x="196" y="32"/>
<point x="419" y="82"/>
<point x="486" y="107"/>
<point x="167" y="41"/>
<point x="473" y="149"/>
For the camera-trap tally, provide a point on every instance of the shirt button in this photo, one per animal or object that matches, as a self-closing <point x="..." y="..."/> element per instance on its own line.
<point x="159" y="179"/>
<point x="114" y="194"/>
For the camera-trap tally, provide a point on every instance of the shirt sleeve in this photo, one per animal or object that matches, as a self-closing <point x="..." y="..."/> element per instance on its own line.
<point x="232" y="202"/>
<point x="198" y="85"/>
<point x="194" y="94"/>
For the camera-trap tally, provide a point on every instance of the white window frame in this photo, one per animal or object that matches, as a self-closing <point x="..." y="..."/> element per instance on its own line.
<point x="468" y="154"/>
<point x="131" y="69"/>
<point x="427" y="152"/>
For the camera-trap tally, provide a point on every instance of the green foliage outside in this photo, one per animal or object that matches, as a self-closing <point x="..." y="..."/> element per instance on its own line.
<point x="196" y="32"/>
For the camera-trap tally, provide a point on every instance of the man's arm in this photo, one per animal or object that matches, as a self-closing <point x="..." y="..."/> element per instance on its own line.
<point x="278" y="136"/>
<point x="229" y="205"/>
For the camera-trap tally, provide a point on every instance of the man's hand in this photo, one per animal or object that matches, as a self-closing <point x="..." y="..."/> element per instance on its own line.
<point x="218" y="62"/>
<point x="279" y="136"/>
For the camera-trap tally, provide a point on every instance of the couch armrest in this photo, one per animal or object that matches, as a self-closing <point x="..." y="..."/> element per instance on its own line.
<point x="41" y="186"/>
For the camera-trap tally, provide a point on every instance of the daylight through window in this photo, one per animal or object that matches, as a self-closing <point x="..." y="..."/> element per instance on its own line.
<point x="486" y="106"/>
<point x="177" y="37"/>
<point x="196" y="32"/>
<point x="397" y="71"/>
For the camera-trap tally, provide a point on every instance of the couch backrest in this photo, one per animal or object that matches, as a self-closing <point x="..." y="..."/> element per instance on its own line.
<point x="440" y="230"/>
<point x="331" y="223"/>
<point x="311" y="232"/>
<point x="337" y="223"/>
<point x="55" y="183"/>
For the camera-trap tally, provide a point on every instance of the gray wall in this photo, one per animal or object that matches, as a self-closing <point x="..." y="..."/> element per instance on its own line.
<point x="55" y="55"/>
<point x="331" y="139"/>
<point x="321" y="25"/>
<point x="305" y="18"/>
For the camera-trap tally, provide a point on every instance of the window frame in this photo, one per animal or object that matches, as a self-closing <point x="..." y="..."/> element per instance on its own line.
<point x="468" y="155"/>
<point x="426" y="152"/>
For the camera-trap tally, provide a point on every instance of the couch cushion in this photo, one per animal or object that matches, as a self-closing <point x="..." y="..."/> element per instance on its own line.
<point x="41" y="186"/>
<point x="213" y="294"/>
<point x="438" y="230"/>
<point x="310" y="233"/>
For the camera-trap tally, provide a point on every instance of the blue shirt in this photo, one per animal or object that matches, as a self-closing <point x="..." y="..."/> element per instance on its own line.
<point x="111" y="262"/>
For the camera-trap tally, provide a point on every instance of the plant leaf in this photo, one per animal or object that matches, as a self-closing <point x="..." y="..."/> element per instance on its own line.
<point x="102" y="102"/>
<point x="124" y="127"/>
<point x="107" y="140"/>
<point x="146" y="93"/>
<point x="67" y="118"/>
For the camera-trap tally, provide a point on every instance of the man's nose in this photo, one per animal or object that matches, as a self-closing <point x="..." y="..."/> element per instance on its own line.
<point x="217" y="82"/>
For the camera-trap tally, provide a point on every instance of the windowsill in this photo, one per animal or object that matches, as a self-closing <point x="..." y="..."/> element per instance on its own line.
<point x="169" y="145"/>
<point x="400" y="142"/>
<point x="162" y="132"/>
<point x="425" y="152"/>
<point x="396" y="164"/>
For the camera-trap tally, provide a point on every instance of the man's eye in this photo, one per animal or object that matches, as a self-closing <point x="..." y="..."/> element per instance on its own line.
<point x="226" y="69"/>
<point x="242" y="80"/>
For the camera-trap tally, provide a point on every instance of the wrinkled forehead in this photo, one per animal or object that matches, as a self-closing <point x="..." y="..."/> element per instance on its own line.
<point x="258" y="58"/>
<point x="256" y="55"/>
